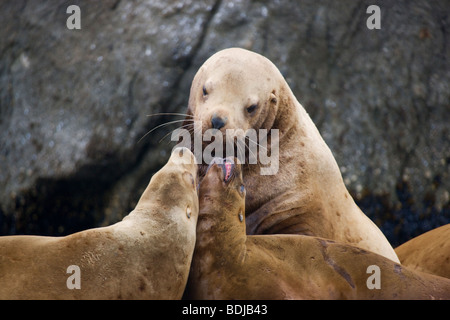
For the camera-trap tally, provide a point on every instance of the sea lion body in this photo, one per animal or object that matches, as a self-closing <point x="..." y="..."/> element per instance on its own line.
<point x="228" y="264"/>
<point x="147" y="255"/>
<point x="239" y="89"/>
<point x="429" y="252"/>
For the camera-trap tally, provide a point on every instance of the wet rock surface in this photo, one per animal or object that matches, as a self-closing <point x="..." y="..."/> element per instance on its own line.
<point x="74" y="103"/>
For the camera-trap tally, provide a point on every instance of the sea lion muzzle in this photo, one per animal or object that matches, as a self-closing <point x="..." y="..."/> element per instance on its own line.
<point x="226" y="164"/>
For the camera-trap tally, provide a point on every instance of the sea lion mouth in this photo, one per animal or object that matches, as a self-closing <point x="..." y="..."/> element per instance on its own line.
<point x="227" y="165"/>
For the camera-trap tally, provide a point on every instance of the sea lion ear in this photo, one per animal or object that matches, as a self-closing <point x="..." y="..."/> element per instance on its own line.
<point x="273" y="97"/>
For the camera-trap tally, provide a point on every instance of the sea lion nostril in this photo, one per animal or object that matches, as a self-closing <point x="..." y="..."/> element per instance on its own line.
<point x="217" y="122"/>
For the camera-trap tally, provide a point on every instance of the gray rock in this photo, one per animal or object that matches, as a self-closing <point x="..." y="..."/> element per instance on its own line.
<point x="74" y="103"/>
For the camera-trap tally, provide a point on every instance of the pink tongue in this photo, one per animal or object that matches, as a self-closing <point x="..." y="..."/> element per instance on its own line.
<point x="227" y="170"/>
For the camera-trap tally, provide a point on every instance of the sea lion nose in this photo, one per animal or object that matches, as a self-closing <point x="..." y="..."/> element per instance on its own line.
<point x="217" y="122"/>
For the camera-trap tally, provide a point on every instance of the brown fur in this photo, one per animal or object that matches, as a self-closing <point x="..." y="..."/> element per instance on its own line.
<point x="228" y="264"/>
<point x="145" y="256"/>
<point x="429" y="252"/>
<point x="307" y="195"/>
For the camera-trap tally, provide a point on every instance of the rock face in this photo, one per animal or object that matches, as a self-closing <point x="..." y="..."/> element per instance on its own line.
<point x="74" y="103"/>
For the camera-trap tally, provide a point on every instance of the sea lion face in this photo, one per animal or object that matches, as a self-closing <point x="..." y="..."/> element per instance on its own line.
<point x="234" y="89"/>
<point x="222" y="189"/>
<point x="175" y="185"/>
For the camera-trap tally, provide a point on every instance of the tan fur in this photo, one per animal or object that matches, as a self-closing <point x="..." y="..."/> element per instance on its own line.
<point x="307" y="195"/>
<point x="145" y="256"/>
<point x="228" y="264"/>
<point x="429" y="252"/>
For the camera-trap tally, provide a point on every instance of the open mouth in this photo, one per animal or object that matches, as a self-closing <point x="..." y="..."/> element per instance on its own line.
<point x="226" y="164"/>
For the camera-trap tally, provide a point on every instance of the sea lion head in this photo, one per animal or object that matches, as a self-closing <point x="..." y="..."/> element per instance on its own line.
<point x="222" y="191"/>
<point x="235" y="89"/>
<point x="221" y="224"/>
<point x="174" y="186"/>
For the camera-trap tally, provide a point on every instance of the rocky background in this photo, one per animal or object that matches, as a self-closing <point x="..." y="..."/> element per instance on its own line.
<point x="74" y="104"/>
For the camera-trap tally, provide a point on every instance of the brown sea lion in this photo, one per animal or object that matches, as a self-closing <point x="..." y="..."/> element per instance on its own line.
<point x="147" y="255"/>
<point x="240" y="89"/>
<point x="228" y="264"/>
<point x="429" y="252"/>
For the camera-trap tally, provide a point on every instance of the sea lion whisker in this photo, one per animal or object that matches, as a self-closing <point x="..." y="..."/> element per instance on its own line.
<point x="240" y="149"/>
<point x="197" y="130"/>
<point x="257" y="143"/>
<point x="280" y="161"/>
<point x="185" y="126"/>
<point x="159" y="126"/>
<point x="170" y="114"/>
<point x="250" y="151"/>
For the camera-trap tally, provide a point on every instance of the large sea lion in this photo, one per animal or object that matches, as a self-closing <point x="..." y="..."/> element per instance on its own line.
<point x="147" y="255"/>
<point x="429" y="252"/>
<point x="228" y="264"/>
<point x="240" y="89"/>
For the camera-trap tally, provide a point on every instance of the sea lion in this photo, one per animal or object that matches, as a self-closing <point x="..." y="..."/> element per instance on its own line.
<point x="147" y="255"/>
<point x="228" y="264"/>
<point x="240" y="89"/>
<point x="429" y="252"/>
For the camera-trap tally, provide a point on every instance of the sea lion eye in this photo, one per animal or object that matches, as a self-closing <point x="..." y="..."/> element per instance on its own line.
<point x="252" y="108"/>
<point x="205" y="92"/>
<point x="242" y="188"/>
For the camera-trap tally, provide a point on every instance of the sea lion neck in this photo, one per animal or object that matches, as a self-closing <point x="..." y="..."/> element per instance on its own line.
<point x="221" y="212"/>
<point x="221" y="220"/>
